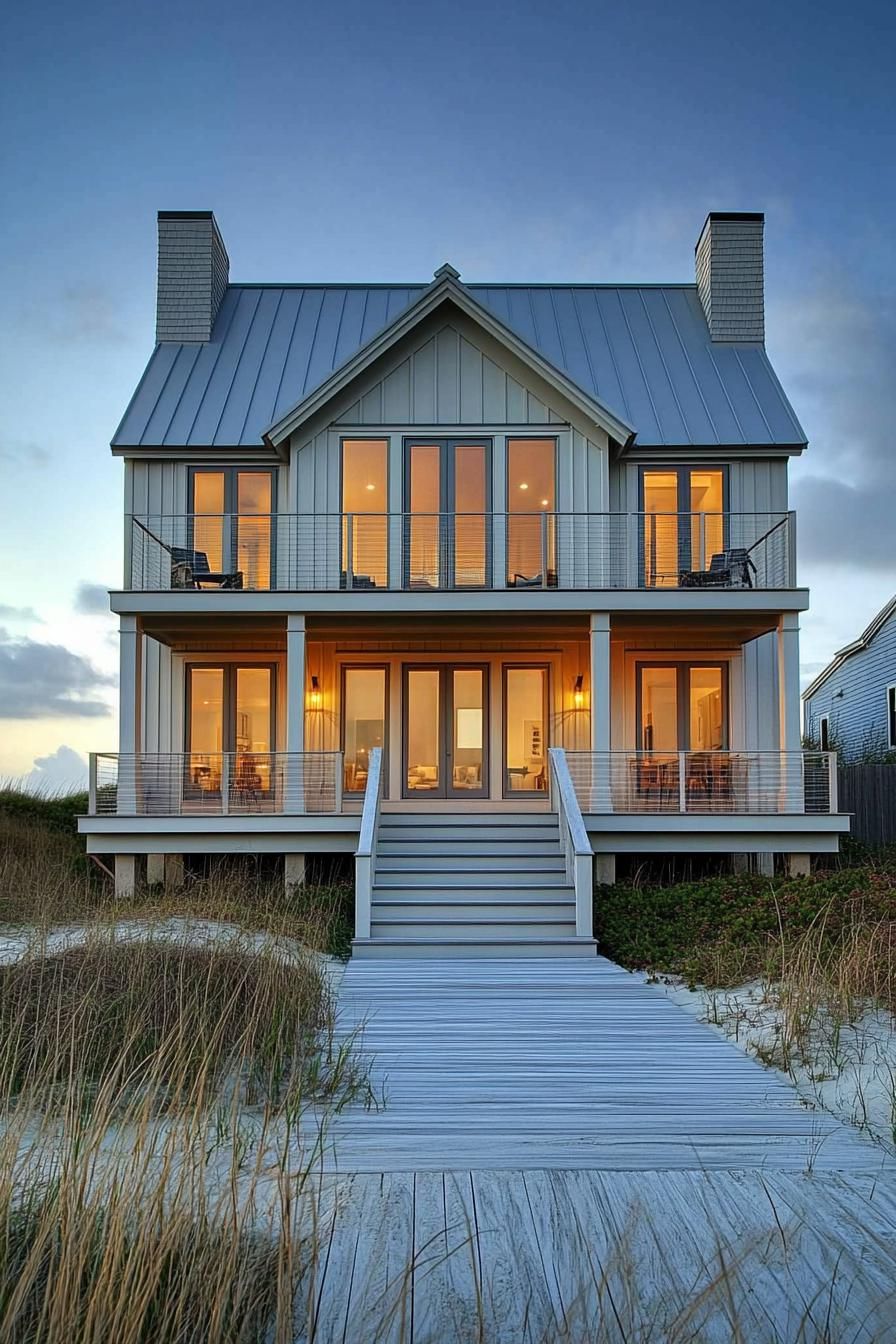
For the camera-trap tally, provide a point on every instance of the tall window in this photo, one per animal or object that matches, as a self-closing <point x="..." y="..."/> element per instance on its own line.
<point x="231" y="524"/>
<point x="824" y="732"/>
<point x="683" y="521"/>
<point x="891" y="716"/>
<point x="447" y="499"/>
<point x="365" y="505"/>
<point x="531" y="504"/>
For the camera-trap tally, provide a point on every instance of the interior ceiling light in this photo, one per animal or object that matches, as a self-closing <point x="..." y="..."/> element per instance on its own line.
<point x="524" y="485"/>
<point x="370" y="485"/>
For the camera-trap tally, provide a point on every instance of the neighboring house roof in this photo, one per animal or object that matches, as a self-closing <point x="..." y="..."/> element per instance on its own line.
<point x="641" y="352"/>
<point x="856" y="646"/>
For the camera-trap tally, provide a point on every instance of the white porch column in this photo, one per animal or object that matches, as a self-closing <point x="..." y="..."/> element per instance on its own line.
<point x="600" y="681"/>
<point x="601" y="800"/>
<point x="295" y="683"/>
<point x="789" y="708"/>
<point x="130" y="710"/>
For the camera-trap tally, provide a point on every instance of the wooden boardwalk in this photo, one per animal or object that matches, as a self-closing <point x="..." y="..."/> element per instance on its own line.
<point x="555" y="1063"/>
<point x="591" y="1257"/>
<point x="564" y="1154"/>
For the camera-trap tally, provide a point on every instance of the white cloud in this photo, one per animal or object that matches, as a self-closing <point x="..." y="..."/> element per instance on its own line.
<point x="63" y="771"/>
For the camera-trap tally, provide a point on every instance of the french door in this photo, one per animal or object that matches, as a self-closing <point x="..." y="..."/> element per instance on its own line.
<point x="445" y="731"/>
<point x="447" y="503"/>
<point x="683" y="519"/>
<point x="682" y="707"/>
<point x="229" y="733"/>
<point x="231" y="514"/>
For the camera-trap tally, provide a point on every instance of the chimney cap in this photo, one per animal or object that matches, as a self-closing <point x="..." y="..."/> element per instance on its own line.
<point x="748" y="216"/>
<point x="186" y="214"/>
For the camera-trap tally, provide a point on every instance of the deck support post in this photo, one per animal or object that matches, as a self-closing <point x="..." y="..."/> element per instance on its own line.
<point x="798" y="865"/>
<point x="125" y="876"/>
<point x="604" y="870"/>
<point x="155" y="870"/>
<point x="764" y="863"/>
<point x="293" y="871"/>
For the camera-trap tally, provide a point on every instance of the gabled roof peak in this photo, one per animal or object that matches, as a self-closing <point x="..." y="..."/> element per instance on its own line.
<point x="446" y="272"/>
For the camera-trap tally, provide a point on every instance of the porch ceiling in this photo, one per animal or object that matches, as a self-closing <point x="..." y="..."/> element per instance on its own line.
<point x="219" y="632"/>
<point x="713" y="628"/>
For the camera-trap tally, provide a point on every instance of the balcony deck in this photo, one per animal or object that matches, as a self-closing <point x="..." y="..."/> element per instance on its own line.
<point x="367" y="555"/>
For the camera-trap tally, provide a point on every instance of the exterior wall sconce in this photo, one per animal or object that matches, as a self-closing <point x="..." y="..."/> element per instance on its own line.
<point x="314" y="695"/>
<point x="578" y="694"/>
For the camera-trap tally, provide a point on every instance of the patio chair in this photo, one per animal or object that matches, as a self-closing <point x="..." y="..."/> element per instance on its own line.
<point x="358" y="580"/>
<point x="727" y="569"/>
<point x="533" y="581"/>
<point x="190" y="569"/>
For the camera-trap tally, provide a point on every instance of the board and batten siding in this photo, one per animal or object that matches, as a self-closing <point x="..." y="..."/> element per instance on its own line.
<point x="854" y="697"/>
<point x="449" y="385"/>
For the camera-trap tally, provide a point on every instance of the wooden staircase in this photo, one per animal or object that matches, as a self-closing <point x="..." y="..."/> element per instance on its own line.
<point x="490" y="884"/>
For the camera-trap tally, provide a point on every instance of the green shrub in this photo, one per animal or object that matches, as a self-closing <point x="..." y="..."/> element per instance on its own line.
<point x="727" y="929"/>
<point x="56" y="812"/>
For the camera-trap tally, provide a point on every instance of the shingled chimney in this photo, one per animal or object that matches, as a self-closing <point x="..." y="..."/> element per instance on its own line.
<point x="730" y="276"/>
<point x="193" y="272"/>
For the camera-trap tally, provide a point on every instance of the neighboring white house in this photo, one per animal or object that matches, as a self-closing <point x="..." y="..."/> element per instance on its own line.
<point x="509" y="568"/>
<point x="851" y="704"/>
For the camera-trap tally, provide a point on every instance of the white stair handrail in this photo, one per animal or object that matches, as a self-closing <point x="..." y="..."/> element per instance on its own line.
<point x="365" y="855"/>
<point x="577" y="849"/>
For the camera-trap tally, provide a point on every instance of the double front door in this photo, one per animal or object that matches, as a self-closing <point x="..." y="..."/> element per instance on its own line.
<point x="446" y="541"/>
<point x="445" y="731"/>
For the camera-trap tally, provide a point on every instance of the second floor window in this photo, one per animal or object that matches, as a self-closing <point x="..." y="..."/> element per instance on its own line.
<point x="231" y="510"/>
<point x="531" y="520"/>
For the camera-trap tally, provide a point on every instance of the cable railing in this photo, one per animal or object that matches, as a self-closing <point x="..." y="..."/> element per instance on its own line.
<point x="707" y="782"/>
<point x="215" y="784"/>
<point x="432" y="552"/>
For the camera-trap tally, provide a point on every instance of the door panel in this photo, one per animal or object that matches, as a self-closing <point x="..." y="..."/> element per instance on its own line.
<point x="205" y="733"/>
<point x="230" y="713"/>
<point x="525" y="729"/>
<point x="364" y="700"/>
<point x="424" y="755"/>
<point x="254" y="500"/>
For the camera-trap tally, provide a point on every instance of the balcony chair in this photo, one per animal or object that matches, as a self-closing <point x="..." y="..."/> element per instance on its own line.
<point x="728" y="569"/>
<point x="358" y="580"/>
<point x="190" y="569"/>
<point x="535" y="581"/>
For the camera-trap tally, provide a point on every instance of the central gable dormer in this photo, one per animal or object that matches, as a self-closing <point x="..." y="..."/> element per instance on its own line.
<point x="448" y="360"/>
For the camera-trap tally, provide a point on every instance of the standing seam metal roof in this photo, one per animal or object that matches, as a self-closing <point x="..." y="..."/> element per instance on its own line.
<point x="644" y="351"/>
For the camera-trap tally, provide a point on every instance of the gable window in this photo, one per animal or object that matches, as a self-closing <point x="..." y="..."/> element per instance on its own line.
<point x="531" y="513"/>
<point x="891" y="716"/>
<point x="824" y="732"/>
<point x="365" y="506"/>
<point x="231" y="524"/>
<point x="683" y="519"/>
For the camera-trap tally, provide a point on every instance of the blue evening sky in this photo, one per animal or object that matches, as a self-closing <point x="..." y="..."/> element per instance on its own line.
<point x="353" y="141"/>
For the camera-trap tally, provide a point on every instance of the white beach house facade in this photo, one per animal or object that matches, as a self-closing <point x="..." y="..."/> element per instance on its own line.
<point x="484" y="584"/>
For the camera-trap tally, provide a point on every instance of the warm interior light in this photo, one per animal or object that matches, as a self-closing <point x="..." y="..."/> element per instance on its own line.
<point x="314" y="695"/>
<point x="524" y="485"/>
<point x="578" y="694"/>
<point x="544" y="503"/>
<point x="370" y="486"/>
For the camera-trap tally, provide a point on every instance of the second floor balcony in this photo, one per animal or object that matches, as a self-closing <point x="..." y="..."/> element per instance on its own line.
<point x="369" y="552"/>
